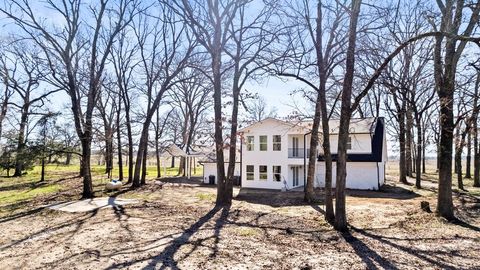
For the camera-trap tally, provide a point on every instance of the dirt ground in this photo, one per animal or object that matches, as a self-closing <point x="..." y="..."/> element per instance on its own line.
<point x="178" y="227"/>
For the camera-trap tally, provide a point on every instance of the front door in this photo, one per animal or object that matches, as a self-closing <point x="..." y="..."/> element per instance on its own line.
<point x="295" y="176"/>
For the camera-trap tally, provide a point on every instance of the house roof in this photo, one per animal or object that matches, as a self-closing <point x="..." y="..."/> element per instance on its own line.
<point x="268" y="119"/>
<point x="357" y="125"/>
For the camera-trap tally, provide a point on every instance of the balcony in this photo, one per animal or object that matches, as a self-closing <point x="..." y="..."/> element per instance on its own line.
<point x="297" y="152"/>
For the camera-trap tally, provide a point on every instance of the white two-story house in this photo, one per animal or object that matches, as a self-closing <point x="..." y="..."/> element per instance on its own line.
<point x="273" y="154"/>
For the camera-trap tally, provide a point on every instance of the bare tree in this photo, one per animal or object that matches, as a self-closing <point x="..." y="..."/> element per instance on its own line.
<point x="324" y="37"/>
<point x="107" y="108"/>
<point x="191" y="98"/>
<point x="165" y="48"/>
<point x="447" y="52"/>
<point x="23" y="75"/>
<point x="88" y="37"/>
<point x="346" y="111"/>
<point x="124" y="59"/>
<point x="7" y="91"/>
<point x="244" y="35"/>
<point x="257" y="109"/>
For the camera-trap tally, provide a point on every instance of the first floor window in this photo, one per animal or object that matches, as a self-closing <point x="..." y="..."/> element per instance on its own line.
<point x="349" y="143"/>
<point x="250" y="143"/>
<point x="263" y="172"/>
<point x="277" y="173"/>
<point x="250" y="172"/>
<point x="277" y="143"/>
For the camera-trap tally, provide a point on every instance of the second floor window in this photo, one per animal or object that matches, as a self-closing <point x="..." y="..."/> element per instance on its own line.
<point x="277" y="143"/>
<point x="263" y="143"/>
<point x="250" y="143"/>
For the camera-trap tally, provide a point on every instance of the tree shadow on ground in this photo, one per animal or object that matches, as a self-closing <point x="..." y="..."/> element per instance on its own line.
<point x="181" y="180"/>
<point x="433" y="257"/>
<point x="368" y="255"/>
<point x="166" y="259"/>
<point x="72" y="221"/>
<point x="275" y="198"/>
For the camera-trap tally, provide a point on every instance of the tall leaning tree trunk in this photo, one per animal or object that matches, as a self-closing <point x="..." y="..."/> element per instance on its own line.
<point x="140" y="155"/>
<point x="329" y="212"/>
<point x="408" y="141"/>
<point x="312" y="158"/>
<point x="418" y="159"/>
<point x="222" y="198"/>
<point x="345" y="115"/>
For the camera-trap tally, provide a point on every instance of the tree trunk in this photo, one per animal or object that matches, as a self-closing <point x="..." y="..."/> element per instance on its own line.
<point x="144" y="164"/>
<point x="222" y="197"/>
<point x="181" y="167"/>
<point x="108" y="151"/>
<point x="401" y="139"/>
<point x="457" y="142"/>
<point x="476" y="154"/>
<point x="42" y="175"/>
<point x="418" y="159"/>
<point x="312" y="158"/>
<point x="408" y="142"/>
<point x="345" y="115"/>
<point x="85" y="167"/>
<point x="68" y="158"/>
<point x="329" y="213"/>
<point x="120" y="154"/>
<point x="19" y="162"/>
<point x="468" y="173"/>
<point x="424" y="169"/>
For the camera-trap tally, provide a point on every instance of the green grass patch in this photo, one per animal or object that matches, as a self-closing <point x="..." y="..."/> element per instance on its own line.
<point x="14" y="196"/>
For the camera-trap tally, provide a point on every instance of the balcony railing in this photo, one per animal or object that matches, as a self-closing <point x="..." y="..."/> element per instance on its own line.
<point x="297" y="152"/>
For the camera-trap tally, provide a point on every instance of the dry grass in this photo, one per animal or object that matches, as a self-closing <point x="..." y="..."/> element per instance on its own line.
<point x="178" y="227"/>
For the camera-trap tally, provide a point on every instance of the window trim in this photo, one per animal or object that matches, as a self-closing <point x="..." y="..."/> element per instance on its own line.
<point x="262" y="174"/>
<point x="277" y="173"/>
<point x="251" y="144"/>
<point x="252" y="173"/>
<point x="260" y="144"/>
<point x="275" y="143"/>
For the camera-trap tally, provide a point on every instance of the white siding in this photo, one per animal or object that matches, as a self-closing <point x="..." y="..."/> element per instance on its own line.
<point x="360" y="175"/>
<point x="211" y="169"/>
